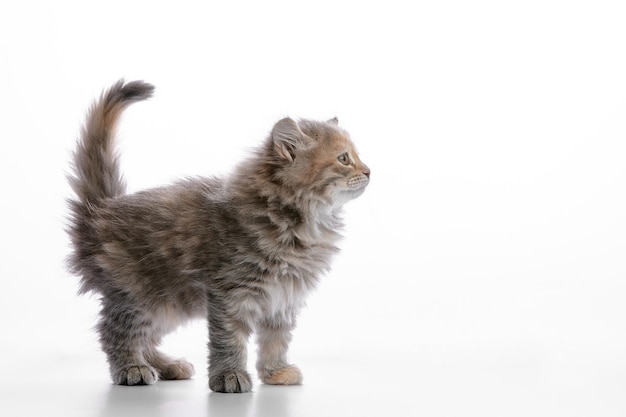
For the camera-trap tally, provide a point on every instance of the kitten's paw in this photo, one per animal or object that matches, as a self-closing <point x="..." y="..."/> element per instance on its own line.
<point x="231" y="381"/>
<point x="178" y="369"/>
<point x="136" y="375"/>
<point x="290" y="375"/>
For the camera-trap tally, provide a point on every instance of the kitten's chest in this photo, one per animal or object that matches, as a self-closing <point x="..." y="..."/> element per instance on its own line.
<point x="293" y="277"/>
<point x="284" y="297"/>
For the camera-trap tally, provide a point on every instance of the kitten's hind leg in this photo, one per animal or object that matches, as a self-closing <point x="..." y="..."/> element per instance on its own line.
<point x="125" y="333"/>
<point x="169" y="368"/>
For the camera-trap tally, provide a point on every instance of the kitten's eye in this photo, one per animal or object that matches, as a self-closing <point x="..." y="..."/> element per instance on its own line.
<point x="343" y="158"/>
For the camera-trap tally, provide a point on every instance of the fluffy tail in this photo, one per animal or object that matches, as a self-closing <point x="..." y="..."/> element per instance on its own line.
<point x="96" y="177"/>
<point x="96" y="173"/>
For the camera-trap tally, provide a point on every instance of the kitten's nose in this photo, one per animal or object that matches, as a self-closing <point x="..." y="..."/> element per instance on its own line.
<point x="366" y="171"/>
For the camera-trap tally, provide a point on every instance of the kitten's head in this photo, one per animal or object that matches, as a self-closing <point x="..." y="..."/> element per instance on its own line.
<point x="318" y="157"/>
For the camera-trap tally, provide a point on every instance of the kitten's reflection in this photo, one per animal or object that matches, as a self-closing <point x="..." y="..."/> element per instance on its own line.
<point x="165" y="398"/>
<point x="264" y="400"/>
<point x="189" y="398"/>
<point x="236" y="405"/>
<point x="277" y="401"/>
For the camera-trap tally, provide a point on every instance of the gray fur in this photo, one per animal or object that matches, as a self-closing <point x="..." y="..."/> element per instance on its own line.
<point x="242" y="251"/>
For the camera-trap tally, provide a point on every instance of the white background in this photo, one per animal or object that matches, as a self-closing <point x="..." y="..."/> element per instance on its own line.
<point x="483" y="271"/>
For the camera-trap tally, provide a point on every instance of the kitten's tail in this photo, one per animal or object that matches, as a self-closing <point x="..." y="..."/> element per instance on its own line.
<point x="96" y="173"/>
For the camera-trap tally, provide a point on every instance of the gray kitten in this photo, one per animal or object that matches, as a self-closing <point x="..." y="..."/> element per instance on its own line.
<point x="243" y="251"/>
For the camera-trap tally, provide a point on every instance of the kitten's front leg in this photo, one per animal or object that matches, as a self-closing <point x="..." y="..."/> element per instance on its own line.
<point x="228" y="338"/>
<point x="273" y="339"/>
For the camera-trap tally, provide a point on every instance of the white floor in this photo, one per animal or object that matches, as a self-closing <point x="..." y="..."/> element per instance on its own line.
<point x="431" y="381"/>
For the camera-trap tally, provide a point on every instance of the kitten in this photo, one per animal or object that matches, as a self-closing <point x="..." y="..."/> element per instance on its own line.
<point x="242" y="251"/>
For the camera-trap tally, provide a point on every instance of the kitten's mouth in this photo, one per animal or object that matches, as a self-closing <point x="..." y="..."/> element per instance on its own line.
<point x="355" y="187"/>
<point x="358" y="182"/>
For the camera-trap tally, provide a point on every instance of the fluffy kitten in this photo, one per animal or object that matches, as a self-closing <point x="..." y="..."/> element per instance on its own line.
<point x="242" y="251"/>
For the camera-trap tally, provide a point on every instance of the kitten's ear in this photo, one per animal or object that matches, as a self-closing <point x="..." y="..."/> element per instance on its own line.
<point x="286" y="136"/>
<point x="333" y="121"/>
